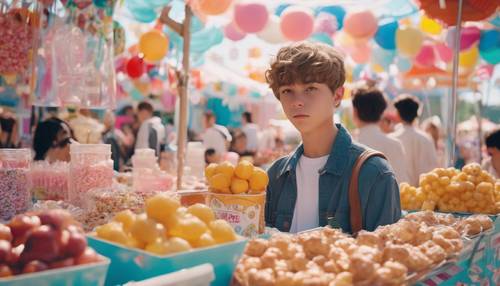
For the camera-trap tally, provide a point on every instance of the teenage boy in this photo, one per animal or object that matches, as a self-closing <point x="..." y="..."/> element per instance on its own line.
<point x="312" y="187"/>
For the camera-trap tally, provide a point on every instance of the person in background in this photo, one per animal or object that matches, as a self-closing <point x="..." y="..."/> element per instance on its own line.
<point x="112" y="135"/>
<point x="239" y="144"/>
<point x="87" y="130"/>
<point x="51" y="140"/>
<point x="251" y="131"/>
<point x="9" y="133"/>
<point x="492" y="164"/>
<point x="432" y="126"/>
<point x="215" y="137"/>
<point x="211" y="156"/>
<point x="421" y="154"/>
<point x="151" y="132"/>
<point x="387" y="123"/>
<point x="368" y="106"/>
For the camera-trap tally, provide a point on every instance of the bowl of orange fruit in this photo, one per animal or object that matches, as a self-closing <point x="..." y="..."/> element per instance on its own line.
<point x="167" y="237"/>
<point x="237" y="195"/>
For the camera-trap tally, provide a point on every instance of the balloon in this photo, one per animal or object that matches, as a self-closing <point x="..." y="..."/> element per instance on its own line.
<point x="361" y="24"/>
<point x="135" y="67"/>
<point x="325" y="23"/>
<point x="213" y="7"/>
<point x="141" y="11"/>
<point x="297" y="23"/>
<point x="403" y="64"/>
<point x="426" y="57"/>
<point x="468" y="58"/>
<point x="382" y="57"/>
<point x="272" y="31"/>
<point x="468" y="37"/>
<point x="408" y="41"/>
<point x="360" y="53"/>
<point x="444" y="52"/>
<point x="322" y="38"/>
<point x="153" y="45"/>
<point x="136" y="95"/>
<point x="143" y="87"/>
<point x="337" y="11"/>
<point x="429" y="26"/>
<point x="386" y="36"/>
<point x="491" y="56"/>
<point x="490" y="40"/>
<point x="250" y="18"/>
<point x="233" y="33"/>
<point x="279" y="10"/>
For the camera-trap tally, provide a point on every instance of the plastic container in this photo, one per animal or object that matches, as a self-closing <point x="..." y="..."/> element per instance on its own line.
<point x="50" y="181"/>
<point x="147" y="176"/>
<point x="91" y="167"/>
<point x="15" y="182"/>
<point x="195" y="159"/>
<point x="129" y="264"/>
<point x="82" y="275"/>
<point x="201" y="275"/>
<point x="245" y="212"/>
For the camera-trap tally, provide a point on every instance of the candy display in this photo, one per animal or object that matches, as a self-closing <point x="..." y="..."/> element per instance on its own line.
<point x="166" y="227"/>
<point x="390" y="255"/>
<point x="15" y="182"/>
<point x="471" y="190"/>
<point x="50" y="181"/>
<point x="147" y="176"/>
<point x="90" y="168"/>
<point x="41" y="241"/>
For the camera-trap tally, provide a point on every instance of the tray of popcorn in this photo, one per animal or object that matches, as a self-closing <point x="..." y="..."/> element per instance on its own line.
<point x="237" y="195"/>
<point x="166" y="237"/>
<point x="48" y="248"/>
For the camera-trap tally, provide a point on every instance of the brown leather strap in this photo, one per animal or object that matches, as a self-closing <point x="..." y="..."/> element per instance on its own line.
<point x="354" y="200"/>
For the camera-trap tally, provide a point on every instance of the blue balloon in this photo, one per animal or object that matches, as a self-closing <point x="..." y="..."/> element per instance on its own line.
<point x="337" y="11"/>
<point x="386" y="36"/>
<point x="203" y="40"/>
<point x="403" y="64"/>
<point x="157" y="3"/>
<point x="196" y="24"/>
<point x="490" y="40"/>
<point x="491" y="56"/>
<point x="322" y="38"/>
<point x="279" y="10"/>
<point x="383" y="57"/>
<point x="141" y="11"/>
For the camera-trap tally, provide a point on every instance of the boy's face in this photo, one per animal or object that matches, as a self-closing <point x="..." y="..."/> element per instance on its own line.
<point x="309" y="106"/>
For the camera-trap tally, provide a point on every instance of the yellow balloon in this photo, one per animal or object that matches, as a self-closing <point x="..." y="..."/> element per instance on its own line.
<point x="154" y="45"/>
<point x="430" y="26"/>
<point x="468" y="58"/>
<point x="409" y="41"/>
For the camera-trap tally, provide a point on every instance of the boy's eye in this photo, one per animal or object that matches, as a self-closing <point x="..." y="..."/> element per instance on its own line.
<point x="311" y="88"/>
<point x="286" y="91"/>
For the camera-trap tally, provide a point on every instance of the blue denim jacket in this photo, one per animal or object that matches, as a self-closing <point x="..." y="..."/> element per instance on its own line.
<point x="378" y="189"/>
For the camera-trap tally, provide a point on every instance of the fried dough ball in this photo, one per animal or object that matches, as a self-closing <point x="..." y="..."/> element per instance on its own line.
<point x="369" y="239"/>
<point x="256" y="247"/>
<point x="369" y="252"/>
<point x="343" y="279"/>
<point x="264" y="277"/>
<point x="391" y="273"/>
<point x="362" y="268"/>
<point x="314" y="245"/>
<point x="433" y="251"/>
<point x="340" y="257"/>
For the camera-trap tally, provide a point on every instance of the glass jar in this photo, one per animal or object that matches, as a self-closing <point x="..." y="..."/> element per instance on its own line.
<point x="50" y="181"/>
<point x="91" y="167"/>
<point x="147" y="176"/>
<point x="15" y="182"/>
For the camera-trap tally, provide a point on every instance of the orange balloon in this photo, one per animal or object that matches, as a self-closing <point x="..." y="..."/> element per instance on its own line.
<point x="213" y="7"/>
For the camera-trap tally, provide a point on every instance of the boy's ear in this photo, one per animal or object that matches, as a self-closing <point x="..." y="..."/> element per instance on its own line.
<point x="338" y="95"/>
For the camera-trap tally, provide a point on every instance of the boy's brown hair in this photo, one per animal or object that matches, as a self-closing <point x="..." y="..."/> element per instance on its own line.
<point x="306" y="62"/>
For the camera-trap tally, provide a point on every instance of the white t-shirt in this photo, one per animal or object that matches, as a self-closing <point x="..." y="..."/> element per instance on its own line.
<point x="216" y="137"/>
<point x="251" y="131"/>
<point x="305" y="215"/>
<point x="143" y="137"/>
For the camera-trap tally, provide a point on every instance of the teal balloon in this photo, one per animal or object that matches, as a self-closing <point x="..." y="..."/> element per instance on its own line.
<point x="196" y="24"/>
<point x="279" y="10"/>
<point x="157" y="3"/>
<point x="386" y="36"/>
<point x="490" y="40"/>
<point x="136" y="95"/>
<point x="491" y="56"/>
<point x="322" y="38"/>
<point x="383" y="57"/>
<point x="255" y="94"/>
<point x="201" y="41"/>
<point x="403" y="64"/>
<point x="337" y="11"/>
<point x="141" y="11"/>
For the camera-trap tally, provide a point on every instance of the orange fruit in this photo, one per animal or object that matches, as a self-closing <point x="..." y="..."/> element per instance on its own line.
<point x="259" y="180"/>
<point x="210" y="170"/>
<point x="225" y="168"/>
<point x="239" y="186"/>
<point x="202" y="212"/>
<point x="177" y="244"/>
<point x="244" y="170"/>
<point x="147" y="230"/>
<point x="189" y="229"/>
<point x="205" y="240"/>
<point x="220" y="181"/>
<point x="222" y="231"/>
<point x="161" y="207"/>
<point x="126" y="218"/>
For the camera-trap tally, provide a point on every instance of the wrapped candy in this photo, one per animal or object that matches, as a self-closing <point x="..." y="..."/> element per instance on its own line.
<point x="50" y="181"/>
<point x="15" y="181"/>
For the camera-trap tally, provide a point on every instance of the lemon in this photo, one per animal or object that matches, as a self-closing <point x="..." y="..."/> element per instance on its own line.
<point x="205" y="240"/>
<point x="220" y="182"/>
<point x="177" y="244"/>
<point x="189" y="229"/>
<point x="225" y="168"/>
<point x="244" y="170"/>
<point x="259" y="180"/>
<point x="202" y="212"/>
<point x="239" y="186"/>
<point x="161" y="207"/>
<point x="126" y="218"/>
<point x="210" y="170"/>
<point x="222" y="231"/>
<point x="146" y="230"/>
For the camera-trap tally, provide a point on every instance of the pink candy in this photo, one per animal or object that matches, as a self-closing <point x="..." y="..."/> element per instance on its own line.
<point x="87" y="177"/>
<point x="16" y="39"/>
<point x="15" y="196"/>
<point x="50" y="181"/>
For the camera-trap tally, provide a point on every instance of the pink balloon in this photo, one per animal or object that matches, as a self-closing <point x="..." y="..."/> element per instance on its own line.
<point x="361" y="24"/>
<point x="360" y="53"/>
<point x="426" y="57"/>
<point x="468" y="37"/>
<point x="444" y="52"/>
<point x="325" y="23"/>
<point x="251" y="18"/>
<point x="233" y="33"/>
<point x="297" y="23"/>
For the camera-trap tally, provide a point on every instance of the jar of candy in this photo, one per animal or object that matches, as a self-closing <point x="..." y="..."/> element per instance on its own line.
<point x="147" y="176"/>
<point x="91" y="167"/>
<point x="15" y="182"/>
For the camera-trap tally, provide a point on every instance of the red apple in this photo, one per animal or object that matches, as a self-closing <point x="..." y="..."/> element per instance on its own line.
<point x="77" y="243"/>
<point x="88" y="256"/>
<point x="57" y="218"/>
<point x="15" y="255"/>
<point x="62" y="263"/>
<point x="5" y="233"/>
<point x="42" y="244"/>
<point x="5" y="249"/>
<point x="35" y="266"/>
<point x="20" y="225"/>
<point x="5" y="271"/>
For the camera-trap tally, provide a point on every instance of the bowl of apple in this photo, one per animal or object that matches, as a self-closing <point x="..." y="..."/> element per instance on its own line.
<point x="48" y="248"/>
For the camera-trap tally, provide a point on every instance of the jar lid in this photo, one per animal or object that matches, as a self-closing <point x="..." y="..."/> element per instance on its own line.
<point x="90" y="148"/>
